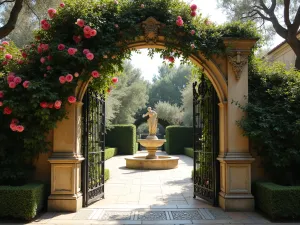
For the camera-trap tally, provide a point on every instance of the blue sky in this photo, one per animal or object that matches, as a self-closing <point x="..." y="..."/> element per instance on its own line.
<point x="150" y="66"/>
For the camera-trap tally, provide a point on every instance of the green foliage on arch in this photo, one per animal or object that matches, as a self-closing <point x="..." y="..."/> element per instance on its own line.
<point x="39" y="105"/>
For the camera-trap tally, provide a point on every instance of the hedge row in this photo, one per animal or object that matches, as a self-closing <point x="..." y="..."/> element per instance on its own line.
<point x="110" y="152"/>
<point x="278" y="202"/>
<point x="189" y="152"/>
<point x="122" y="137"/>
<point x="178" y="138"/>
<point x="22" y="202"/>
<point x="106" y="174"/>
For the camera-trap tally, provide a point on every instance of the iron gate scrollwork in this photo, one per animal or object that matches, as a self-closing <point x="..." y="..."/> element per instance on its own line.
<point x="93" y="146"/>
<point x="206" y="144"/>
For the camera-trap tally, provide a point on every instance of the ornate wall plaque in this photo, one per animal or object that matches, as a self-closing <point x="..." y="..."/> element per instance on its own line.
<point x="151" y="27"/>
<point x="238" y="62"/>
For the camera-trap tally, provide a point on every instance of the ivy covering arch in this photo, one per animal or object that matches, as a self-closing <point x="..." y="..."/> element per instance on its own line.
<point x="83" y="39"/>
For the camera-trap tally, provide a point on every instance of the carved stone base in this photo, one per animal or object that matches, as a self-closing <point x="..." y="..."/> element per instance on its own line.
<point x="65" y="203"/>
<point x="236" y="202"/>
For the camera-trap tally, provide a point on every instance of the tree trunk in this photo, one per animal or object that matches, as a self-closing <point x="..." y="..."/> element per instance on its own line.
<point x="294" y="43"/>
<point x="11" y="23"/>
<point x="297" y="63"/>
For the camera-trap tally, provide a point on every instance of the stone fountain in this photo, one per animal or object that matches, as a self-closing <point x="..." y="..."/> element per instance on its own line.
<point x="151" y="143"/>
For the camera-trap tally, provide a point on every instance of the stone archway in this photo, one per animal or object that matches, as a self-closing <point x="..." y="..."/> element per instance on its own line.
<point x="229" y="76"/>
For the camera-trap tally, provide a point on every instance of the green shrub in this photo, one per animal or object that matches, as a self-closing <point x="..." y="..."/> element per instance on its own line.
<point x="278" y="202"/>
<point x="178" y="137"/>
<point x="273" y="119"/>
<point x="189" y="152"/>
<point x="21" y="201"/>
<point x="110" y="152"/>
<point x="106" y="174"/>
<point x="122" y="137"/>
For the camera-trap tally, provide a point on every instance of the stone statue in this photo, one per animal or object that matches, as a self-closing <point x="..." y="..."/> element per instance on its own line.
<point x="152" y="122"/>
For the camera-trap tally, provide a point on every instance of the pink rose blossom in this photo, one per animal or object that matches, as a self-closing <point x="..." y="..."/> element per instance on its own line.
<point x="46" y="26"/>
<point x="69" y="78"/>
<point x="49" y="57"/>
<point x="90" y="56"/>
<point x="76" y="74"/>
<point x="13" y="127"/>
<point x="17" y="80"/>
<point x="171" y="59"/>
<point x="87" y="35"/>
<point x="57" y="104"/>
<point x="179" y="18"/>
<point x="39" y="49"/>
<point x="115" y="80"/>
<point x="20" y="128"/>
<point x="11" y="77"/>
<point x="26" y="84"/>
<point x="80" y="22"/>
<point x="12" y="85"/>
<point x="43" y="60"/>
<point x="87" y="29"/>
<point x="193" y="13"/>
<point x="71" y="99"/>
<point x="72" y="51"/>
<point x="44" y="105"/>
<point x="7" y="111"/>
<point x="193" y="32"/>
<point x="44" y="21"/>
<point x="5" y="42"/>
<point x="1" y="94"/>
<point x="14" y="121"/>
<point x="51" y="12"/>
<point x="50" y="105"/>
<point x="93" y="33"/>
<point x="8" y="56"/>
<point x="45" y="47"/>
<point x="49" y="68"/>
<point x="85" y="51"/>
<point x="193" y="7"/>
<point x="95" y="74"/>
<point x="1" y="104"/>
<point x="24" y="55"/>
<point x="62" y="79"/>
<point x="20" y="62"/>
<point x="62" y="5"/>
<point x="77" y="39"/>
<point x="4" y="63"/>
<point x="179" y="22"/>
<point x="116" y="26"/>
<point x="61" y="47"/>
<point x="142" y="6"/>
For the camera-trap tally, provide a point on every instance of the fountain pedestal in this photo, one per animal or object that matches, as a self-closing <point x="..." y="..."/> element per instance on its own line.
<point x="151" y="161"/>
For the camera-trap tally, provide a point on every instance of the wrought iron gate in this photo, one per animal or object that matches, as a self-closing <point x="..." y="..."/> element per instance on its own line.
<point x="206" y="144"/>
<point x="93" y="145"/>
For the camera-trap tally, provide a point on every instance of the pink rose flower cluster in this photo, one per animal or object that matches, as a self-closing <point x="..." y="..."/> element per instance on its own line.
<point x="51" y="13"/>
<point x="88" y="54"/>
<point x="50" y="105"/>
<point x="95" y="74"/>
<point x="179" y="21"/>
<point x="7" y="111"/>
<point x="88" y="32"/>
<point x="42" y="48"/>
<point x="171" y="59"/>
<point x="68" y="78"/>
<point x="115" y="80"/>
<point x="5" y="43"/>
<point x="13" y="81"/>
<point x="193" y="10"/>
<point x="15" y="127"/>
<point x="71" y="99"/>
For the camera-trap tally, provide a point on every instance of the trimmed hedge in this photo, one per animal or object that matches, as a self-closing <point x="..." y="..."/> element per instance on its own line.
<point x="278" y="202"/>
<point x="122" y="137"/>
<point x="106" y="174"/>
<point x="189" y="152"/>
<point x="22" y="202"/>
<point x="178" y="137"/>
<point x="110" y="152"/>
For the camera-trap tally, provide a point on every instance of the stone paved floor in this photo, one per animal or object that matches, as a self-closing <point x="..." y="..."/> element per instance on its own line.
<point x="151" y="197"/>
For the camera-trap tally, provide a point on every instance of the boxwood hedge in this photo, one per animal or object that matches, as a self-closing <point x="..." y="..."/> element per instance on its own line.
<point x="178" y="138"/>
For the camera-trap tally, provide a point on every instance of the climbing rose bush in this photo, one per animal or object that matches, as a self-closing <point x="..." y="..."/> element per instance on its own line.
<point x="80" y="41"/>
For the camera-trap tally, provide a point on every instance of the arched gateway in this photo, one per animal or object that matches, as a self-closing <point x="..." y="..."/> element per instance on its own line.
<point x="229" y="77"/>
<point x="114" y="29"/>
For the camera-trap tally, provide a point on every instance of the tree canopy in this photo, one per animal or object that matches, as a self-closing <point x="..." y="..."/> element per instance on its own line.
<point x="284" y="15"/>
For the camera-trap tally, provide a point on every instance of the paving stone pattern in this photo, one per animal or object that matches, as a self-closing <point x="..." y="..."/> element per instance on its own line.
<point x="150" y="197"/>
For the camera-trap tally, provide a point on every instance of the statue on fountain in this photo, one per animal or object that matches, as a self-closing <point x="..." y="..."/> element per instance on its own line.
<point x="152" y="123"/>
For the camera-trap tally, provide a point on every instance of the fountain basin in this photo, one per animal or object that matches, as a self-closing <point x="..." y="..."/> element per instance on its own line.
<point x="160" y="163"/>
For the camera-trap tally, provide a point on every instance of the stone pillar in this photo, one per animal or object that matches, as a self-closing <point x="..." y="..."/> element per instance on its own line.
<point x="235" y="159"/>
<point x="66" y="163"/>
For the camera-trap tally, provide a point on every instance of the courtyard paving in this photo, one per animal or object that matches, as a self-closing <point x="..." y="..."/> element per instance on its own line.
<point x="151" y="197"/>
